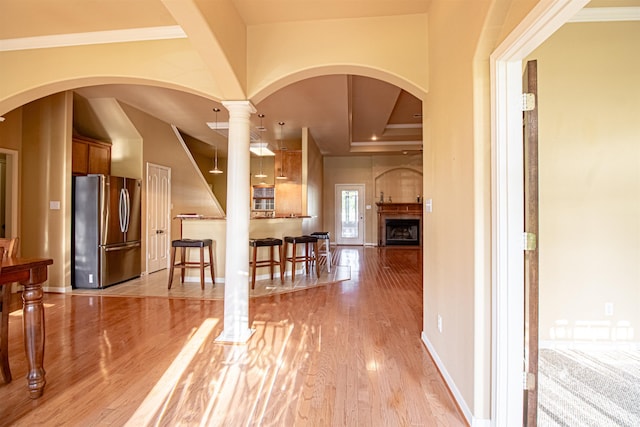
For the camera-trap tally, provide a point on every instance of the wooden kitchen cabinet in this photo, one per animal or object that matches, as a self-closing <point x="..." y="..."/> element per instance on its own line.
<point x="289" y="191"/>
<point x="90" y="156"/>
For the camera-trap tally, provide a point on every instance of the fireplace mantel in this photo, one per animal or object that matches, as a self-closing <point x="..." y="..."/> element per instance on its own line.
<point x="397" y="211"/>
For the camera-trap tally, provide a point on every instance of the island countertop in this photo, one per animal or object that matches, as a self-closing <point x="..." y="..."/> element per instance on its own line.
<point x="204" y="217"/>
<point x="214" y="228"/>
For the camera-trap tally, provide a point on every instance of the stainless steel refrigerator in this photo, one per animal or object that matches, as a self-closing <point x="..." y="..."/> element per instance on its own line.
<point x="106" y="229"/>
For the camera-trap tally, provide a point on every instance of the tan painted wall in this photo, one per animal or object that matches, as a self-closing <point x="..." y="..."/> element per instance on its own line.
<point x="275" y="58"/>
<point x="189" y="191"/>
<point x="11" y="130"/>
<point x="449" y="287"/>
<point x="36" y="73"/>
<point x="589" y="181"/>
<point x="398" y="177"/>
<point x="46" y="177"/>
<point x="217" y="182"/>
<point x="348" y="170"/>
<point x="312" y="184"/>
<point x="364" y="170"/>
<point x="398" y="53"/>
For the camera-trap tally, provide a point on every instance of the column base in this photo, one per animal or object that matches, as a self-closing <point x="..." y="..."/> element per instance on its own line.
<point x="234" y="337"/>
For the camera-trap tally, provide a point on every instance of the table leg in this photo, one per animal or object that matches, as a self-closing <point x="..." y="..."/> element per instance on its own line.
<point x="33" y="323"/>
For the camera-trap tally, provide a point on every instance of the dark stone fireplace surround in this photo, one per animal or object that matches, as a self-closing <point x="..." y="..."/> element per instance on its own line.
<point x="402" y="232"/>
<point x="398" y="211"/>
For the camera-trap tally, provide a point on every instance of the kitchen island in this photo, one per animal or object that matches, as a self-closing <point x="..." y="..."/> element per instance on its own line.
<point x="203" y="227"/>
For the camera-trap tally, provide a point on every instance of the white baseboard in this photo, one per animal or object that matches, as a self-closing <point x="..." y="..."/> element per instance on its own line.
<point x="57" y="290"/>
<point x="450" y="383"/>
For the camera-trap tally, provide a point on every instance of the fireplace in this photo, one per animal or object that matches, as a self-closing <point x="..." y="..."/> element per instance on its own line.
<point x="400" y="224"/>
<point x="403" y="232"/>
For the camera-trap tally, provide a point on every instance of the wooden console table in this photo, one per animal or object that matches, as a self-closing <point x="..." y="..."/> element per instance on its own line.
<point x="397" y="211"/>
<point x="30" y="272"/>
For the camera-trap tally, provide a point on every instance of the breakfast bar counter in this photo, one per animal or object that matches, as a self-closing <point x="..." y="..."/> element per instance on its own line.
<point x="203" y="227"/>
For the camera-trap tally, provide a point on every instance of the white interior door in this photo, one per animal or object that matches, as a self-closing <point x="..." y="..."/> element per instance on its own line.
<point x="158" y="216"/>
<point x="350" y="214"/>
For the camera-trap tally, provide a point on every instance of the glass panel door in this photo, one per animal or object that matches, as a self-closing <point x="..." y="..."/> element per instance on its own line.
<point x="350" y="214"/>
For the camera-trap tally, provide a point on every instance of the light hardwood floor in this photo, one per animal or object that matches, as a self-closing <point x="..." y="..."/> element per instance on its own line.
<point x="342" y="353"/>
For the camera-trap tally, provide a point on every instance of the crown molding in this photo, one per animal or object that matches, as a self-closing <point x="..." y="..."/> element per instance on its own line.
<point x="94" y="37"/>
<point x="607" y="14"/>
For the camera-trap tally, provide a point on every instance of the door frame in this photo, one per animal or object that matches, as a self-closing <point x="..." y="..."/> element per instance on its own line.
<point x="11" y="192"/>
<point x="337" y="211"/>
<point x="146" y="225"/>
<point x="531" y="258"/>
<point x="507" y="202"/>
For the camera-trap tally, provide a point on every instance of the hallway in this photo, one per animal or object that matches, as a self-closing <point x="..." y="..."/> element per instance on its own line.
<point x="341" y="354"/>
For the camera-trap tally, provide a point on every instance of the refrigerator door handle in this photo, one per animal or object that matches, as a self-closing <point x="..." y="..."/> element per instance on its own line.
<point x="124" y="210"/>
<point x="121" y="247"/>
<point x="128" y="203"/>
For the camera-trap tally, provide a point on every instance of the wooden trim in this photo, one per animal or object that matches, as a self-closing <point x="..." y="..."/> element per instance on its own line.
<point x="397" y="211"/>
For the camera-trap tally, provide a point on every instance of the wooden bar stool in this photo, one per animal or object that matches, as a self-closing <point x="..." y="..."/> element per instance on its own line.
<point x="324" y="248"/>
<point x="308" y="257"/>
<point x="183" y="244"/>
<point x="254" y="262"/>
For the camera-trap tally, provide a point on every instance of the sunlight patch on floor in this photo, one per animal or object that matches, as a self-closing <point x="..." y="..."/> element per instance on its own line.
<point x="160" y="394"/>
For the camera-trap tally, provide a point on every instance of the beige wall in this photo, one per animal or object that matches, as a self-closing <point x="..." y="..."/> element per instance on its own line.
<point x="189" y="191"/>
<point x="281" y="53"/>
<point x="450" y="286"/>
<point x="398" y="177"/>
<point x="217" y="182"/>
<point x="437" y="56"/>
<point x="366" y="170"/>
<point x="35" y="73"/>
<point x="348" y="170"/>
<point x="312" y="184"/>
<point x="45" y="177"/>
<point x="589" y="181"/>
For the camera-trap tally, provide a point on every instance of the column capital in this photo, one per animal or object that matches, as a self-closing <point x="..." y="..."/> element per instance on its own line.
<point x="239" y="106"/>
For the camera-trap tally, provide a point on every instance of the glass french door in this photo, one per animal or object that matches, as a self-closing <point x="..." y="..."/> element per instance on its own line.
<point x="350" y="214"/>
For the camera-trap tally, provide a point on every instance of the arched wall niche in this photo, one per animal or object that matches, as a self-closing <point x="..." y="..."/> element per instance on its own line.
<point x="398" y="185"/>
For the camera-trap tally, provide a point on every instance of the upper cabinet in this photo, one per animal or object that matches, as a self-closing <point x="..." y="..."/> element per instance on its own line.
<point x="289" y="190"/>
<point x="90" y="156"/>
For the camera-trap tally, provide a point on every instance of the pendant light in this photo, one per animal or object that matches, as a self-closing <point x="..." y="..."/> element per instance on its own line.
<point x="215" y="169"/>
<point x="261" y="174"/>
<point x="281" y="175"/>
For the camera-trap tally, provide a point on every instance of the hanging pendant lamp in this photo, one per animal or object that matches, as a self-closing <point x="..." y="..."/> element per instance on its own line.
<point x="215" y="169"/>
<point x="261" y="174"/>
<point x="281" y="175"/>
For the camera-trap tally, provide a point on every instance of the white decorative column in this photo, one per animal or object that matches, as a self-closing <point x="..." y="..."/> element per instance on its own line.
<point x="236" y="281"/>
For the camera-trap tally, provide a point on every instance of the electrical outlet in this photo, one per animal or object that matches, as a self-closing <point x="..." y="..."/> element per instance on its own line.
<point x="608" y="309"/>
<point x="439" y="323"/>
<point x="428" y="205"/>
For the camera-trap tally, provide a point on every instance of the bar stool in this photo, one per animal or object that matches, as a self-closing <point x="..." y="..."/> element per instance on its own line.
<point x="308" y="256"/>
<point x="324" y="248"/>
<point x="254" y="262"/>
<point x="183" y="244"/>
